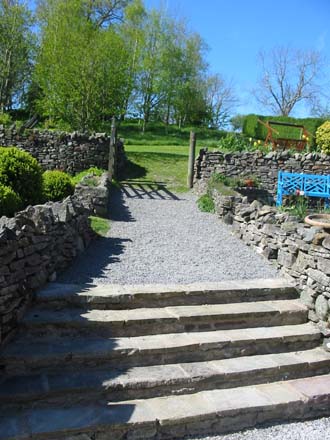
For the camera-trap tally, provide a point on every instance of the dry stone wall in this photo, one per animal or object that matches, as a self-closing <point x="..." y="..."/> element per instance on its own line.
<point x="70" y="152"/>
<point x="38" y="243"/>
<point x="299" y="251"/>
<point x="264" y="166"/>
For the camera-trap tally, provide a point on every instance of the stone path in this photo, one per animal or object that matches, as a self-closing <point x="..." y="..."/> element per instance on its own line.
<point x="160" y="237"/>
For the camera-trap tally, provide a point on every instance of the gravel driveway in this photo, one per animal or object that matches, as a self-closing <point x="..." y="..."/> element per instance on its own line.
<point x="160" y="237"/>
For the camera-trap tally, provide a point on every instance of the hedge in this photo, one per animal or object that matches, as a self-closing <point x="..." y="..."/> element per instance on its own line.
<point x="252" y="128"/>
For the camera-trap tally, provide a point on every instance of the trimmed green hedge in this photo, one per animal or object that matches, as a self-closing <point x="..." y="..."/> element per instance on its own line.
<point x="21" y="172"/>
<point x="10" y="202"/>
<point x="252" y="128"/>
<point x="56" y="185"/>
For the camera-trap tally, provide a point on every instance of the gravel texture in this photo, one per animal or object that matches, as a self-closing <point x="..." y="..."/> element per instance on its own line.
<point x="318" y="429"/>
<point x="160" y="237"/>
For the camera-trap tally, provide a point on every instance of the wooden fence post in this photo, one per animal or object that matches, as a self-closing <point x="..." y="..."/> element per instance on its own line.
<point x="112" y="146"/>
<point x="191" y="161"/>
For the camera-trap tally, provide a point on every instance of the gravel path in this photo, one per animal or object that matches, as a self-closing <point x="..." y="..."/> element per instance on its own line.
<point x="318" y="429"/>
<point x="158" y="237"/>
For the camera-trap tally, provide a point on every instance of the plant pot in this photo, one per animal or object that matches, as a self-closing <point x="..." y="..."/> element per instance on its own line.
<point x="320" y="220"/>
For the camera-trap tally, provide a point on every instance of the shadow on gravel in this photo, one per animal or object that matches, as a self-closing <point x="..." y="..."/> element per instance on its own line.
<point x="94" y="261"/>
<point x="117" y="208"/>
<point x="147" y="190"/>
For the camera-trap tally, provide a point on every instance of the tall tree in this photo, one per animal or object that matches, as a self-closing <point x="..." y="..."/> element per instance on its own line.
<point x="81" y="67"/>
<point x="288" y="77"/>
<point x="221" y="99"/>
<point x="16" y="51"/>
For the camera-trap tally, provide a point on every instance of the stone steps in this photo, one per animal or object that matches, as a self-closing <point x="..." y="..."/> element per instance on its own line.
<point x="161" y="363"/>
<point x="28" y="355"/>
<point x="161" y="380"/>
<point x="150" y="321"/>
<point x="57" y="295"/>
<point x="173" y="417"/>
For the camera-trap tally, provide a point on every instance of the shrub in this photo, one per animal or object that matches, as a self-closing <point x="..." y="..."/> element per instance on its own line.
<point x="21" y="172"/>
<point x="233" y="142"/>
<point x="92" y="170"/>
<point x="205" y="203"/>
<point x="56" y="185"/>
<point x="5" y="119"/>
<point x="10" y="202"/>
<point x="323" y="137"/>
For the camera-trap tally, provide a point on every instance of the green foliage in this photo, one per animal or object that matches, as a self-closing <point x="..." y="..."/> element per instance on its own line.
<point x="160" y="134"/>
<point x="10" y="202"/>
<point x="82" y="66"/>
<point x="233" y="142"/>
<point x="323" y="137"/>
<point x="56" y="185"/>
<point x="297" y="206"/>
<point x="222" y="184"/>
<point x="5" y="119"/>
<point x="237" y="122"/>
<point x="252" y="128"/>
<point x="205" y="203"/>
<point x="21" y="171"/>
<point x="92" y="170"/>
<point x="16" y="52"/>
<point x="100" y="226"/>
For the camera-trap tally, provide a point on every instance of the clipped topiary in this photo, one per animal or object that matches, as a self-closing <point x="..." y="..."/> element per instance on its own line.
<point x="323" y="137"/>
<point x="10" y="202"/>
<point x="21" y="172"/>
<point x="56" y="185"/>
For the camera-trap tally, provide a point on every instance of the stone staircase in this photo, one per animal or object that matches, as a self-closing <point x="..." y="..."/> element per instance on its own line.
<point x="161" y="362"/>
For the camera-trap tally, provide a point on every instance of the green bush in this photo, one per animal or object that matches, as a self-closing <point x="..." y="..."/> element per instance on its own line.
<point x="56" y="185"/>
<point x="233" y="142"/>
<point x="205" y="203"/>
<point x="323" y="137"/>
<point x="21" y="172"/>
<point x="92" y="170"/>
<point x="5" y="119"/>
<point x="10" y="202"/>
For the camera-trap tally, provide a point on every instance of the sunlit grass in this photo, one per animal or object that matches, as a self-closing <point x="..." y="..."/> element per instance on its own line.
<point x="166" y="165"/>
<point x="100" y="226"/>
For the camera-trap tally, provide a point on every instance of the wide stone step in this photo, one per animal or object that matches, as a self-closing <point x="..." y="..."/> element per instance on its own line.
<point x="161" y="380"/>
<point x="205" y="412"/>
<point x="146" y="321"/>
<point x="33" y="354"/>
<point x="162" y="295"/>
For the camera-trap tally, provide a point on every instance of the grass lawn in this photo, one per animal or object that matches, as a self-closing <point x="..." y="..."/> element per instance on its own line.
<point x="160" y="155"/>
<point x="165" y="165"/>
<point x="100" y="225"/>
<point x="158" y="134"/>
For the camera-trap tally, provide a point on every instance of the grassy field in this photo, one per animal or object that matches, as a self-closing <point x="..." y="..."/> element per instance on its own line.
<point x="161" y="154"/>
<point x="164" y="165"/>
<point x="159" y="134"/>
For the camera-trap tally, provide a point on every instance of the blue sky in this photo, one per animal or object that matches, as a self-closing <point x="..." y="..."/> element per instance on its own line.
<point x="236" y="30"/>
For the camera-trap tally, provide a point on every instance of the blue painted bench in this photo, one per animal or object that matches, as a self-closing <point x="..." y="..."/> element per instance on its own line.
<point x="310" y="185"/>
